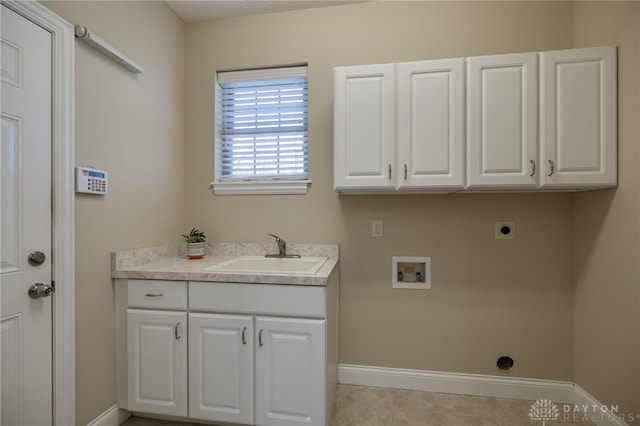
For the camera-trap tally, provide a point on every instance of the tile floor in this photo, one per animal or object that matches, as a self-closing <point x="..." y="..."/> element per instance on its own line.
<point x="368" y="406"/>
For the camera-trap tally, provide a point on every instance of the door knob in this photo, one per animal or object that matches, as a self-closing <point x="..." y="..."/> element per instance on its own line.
<point x="36" y="258"/>
<point x="40" y="290"/>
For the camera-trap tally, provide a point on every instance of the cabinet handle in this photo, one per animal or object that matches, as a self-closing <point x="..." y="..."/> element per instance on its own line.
<point x="177" y="333"/>
<point x="260" y="339"/>
<point x="405" y="172"/>
<point x="244" y="338"/>
<point x="551" y="168"/>
<point x="389" y="171"/>
<point x="153" y="294"/>
<point x="533" y="168"/>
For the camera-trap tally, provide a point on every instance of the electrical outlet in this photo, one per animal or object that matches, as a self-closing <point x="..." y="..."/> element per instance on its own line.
<point x="505" y="230"/>
<point x="377" y="229"/>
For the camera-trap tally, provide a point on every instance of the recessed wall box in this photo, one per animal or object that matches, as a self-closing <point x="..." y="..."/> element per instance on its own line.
<point x="90" y="180"/>
<point x="411" y="272"/>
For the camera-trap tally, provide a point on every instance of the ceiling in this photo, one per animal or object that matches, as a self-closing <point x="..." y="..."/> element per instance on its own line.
<point x="203" y="10"/>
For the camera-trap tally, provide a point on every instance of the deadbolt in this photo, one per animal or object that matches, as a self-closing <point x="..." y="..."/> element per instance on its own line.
<point x="40" y="290"/>
<point x="36" y="258"/>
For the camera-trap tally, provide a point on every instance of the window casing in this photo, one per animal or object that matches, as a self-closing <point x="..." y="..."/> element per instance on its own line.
<point x="262" y="131"/>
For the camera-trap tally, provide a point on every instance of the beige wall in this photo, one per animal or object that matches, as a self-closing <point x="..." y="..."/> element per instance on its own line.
<point x="133" y="127"/>
<point x="607" y="229"/>
<point x="489" y="297"/>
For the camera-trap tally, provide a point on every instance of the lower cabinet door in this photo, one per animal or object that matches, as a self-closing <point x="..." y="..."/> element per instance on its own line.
<point x="290" y="372"/>
<point x="221" y="367"/>
<point x="157" y="362"/>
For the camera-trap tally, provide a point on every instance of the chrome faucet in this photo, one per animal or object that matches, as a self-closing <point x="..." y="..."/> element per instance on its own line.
<point x="282" y="248"/>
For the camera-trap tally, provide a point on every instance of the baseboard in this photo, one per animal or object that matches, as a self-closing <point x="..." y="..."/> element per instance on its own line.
<point x="484" y="385"/>
<point x="460" y="383"/>
<point x="112" y="417"/>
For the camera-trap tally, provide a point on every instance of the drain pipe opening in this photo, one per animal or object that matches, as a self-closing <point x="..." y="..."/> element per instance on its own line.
<point x="504" y="363"/>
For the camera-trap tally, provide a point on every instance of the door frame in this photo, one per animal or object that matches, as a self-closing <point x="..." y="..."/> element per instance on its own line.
<point x="63" y="238"/>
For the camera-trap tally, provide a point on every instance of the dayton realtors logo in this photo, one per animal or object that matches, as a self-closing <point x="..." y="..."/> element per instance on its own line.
<point x="544" y="410"/>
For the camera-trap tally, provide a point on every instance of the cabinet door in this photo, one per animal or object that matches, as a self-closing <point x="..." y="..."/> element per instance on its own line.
<point x="430" y="124"/>
<point x="502" y="121"/>
<point x="364" y="127"/>
<point x="221" y="367"/>
<point x="579" y="117"/>
<point x="290" y="372"/>
<point x="157" y="362"/>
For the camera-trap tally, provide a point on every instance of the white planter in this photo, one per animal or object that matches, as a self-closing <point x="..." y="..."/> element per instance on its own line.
<point x="196" y="250"/>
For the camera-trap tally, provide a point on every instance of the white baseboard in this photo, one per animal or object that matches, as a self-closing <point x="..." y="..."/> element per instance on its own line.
<point x="112" y="417"/>
<point x="460" y="383"/>
<point x="480" y="385"/>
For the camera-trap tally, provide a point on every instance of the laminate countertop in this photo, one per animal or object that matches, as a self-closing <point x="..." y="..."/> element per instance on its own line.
<point x="169" y="262"/>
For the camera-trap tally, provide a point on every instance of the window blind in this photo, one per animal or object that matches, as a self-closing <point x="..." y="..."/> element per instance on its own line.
<point x="261" y="124"/>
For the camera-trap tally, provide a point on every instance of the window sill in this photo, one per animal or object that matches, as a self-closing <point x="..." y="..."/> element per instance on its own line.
<point x="271" y="187"/>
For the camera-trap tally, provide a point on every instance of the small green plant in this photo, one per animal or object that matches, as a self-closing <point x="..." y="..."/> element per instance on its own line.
<point x="195" y="236"/>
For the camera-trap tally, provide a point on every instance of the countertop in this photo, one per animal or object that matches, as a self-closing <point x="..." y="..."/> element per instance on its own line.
<point x="169" y="262"/>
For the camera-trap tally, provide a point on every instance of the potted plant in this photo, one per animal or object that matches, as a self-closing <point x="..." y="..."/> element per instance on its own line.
<point x="196" y="243"/>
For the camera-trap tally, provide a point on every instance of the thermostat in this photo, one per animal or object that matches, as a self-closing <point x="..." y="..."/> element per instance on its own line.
<point x="90" y="180"/>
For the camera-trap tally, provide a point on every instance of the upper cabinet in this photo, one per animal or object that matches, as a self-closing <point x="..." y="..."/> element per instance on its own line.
<point x="399" y="126"/>
<point x="502" y="121"/>
<point x="431" y="125"/>
<point x="534" y="121"/>
<point x="364" y="108"/>
<point x="578" y="138"/>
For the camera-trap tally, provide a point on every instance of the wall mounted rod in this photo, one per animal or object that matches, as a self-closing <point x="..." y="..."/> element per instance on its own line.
<point x="83" y="34"/>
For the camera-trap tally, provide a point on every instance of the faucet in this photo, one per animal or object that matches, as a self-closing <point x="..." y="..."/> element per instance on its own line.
<point x="282" y="248"/>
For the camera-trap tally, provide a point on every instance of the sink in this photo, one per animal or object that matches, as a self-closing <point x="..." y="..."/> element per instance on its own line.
<point x="270" y="265"/>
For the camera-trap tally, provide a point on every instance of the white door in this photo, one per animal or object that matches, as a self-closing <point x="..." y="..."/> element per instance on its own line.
<point x="290" y="372"/>
<point x="502" y="115"/>
<point x="431" y="124"/>
<point x="364" y="127"/>
<point x="579" y="126"/>
<point x="26" y="322"/>
<point x="221" y="367"/>
<point x="157" y="362"/>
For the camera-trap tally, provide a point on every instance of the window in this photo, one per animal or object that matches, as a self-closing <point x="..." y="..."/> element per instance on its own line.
<point x="261" y="131"/>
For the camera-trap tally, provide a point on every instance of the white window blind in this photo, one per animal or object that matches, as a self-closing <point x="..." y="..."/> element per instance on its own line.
<point x="261" y="125"/>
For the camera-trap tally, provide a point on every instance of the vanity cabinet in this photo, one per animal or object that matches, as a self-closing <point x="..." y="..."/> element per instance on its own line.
<point x="156" y="321"/>
<point x="252" y="354"/>
<point x="399" y="126"/>
<point x="534" y="121"/>
<point x="221" y="367"/>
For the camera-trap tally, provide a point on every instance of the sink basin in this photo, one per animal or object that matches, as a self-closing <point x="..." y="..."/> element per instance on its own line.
<point x="270" y="265"/>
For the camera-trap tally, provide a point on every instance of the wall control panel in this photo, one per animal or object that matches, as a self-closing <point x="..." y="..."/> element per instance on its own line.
<point x="90" y="180"/>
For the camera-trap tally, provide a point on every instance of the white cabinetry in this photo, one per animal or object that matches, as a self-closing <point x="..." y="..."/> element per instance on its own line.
<point x="254" y="354"/>
<point x="157" y="348"/>
<point x="534" y="121"/>
<point x="579" y="117"/>
<point x="364" y="123"/>
<point x="502" y="121"/>
<point x="431" y="124"/>
<point x="421" y="147"/>
<point x="221" y="367"/>
<point x="290" y="371"/>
